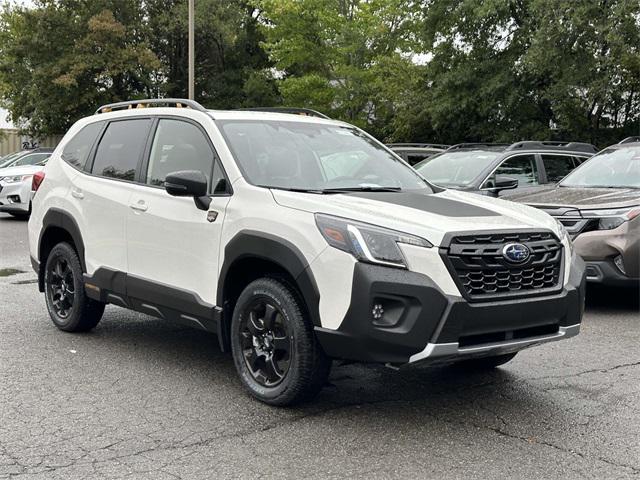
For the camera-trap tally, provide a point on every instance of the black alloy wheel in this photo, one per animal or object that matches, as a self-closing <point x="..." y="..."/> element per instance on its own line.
<point x="275" y="350"/>
<point x="266" y="343"/>
<point x="61" y="287"/>
<point x="69" y="307"/>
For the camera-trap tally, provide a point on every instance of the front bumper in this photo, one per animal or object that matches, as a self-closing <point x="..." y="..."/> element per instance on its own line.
<point x="15" y="197"/>
<point x="599" y="248"/>
<point x="425" y="325"/>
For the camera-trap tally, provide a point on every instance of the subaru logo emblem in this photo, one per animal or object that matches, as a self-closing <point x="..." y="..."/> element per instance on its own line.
<point x="516" y="252"/>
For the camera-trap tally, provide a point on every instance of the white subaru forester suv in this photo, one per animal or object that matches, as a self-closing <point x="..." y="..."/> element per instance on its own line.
<point x="297" y="240"/>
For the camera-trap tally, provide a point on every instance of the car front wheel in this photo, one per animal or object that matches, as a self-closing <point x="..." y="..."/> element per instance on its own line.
<point x="275" y="351"/>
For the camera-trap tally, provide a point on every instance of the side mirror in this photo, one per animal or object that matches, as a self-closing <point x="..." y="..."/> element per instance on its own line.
<point x="189" y="183"/>
<point x="499" y="183"/>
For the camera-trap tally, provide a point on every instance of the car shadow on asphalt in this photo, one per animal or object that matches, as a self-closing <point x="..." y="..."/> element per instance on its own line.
<point x="612" y="299"/>
<point x="11" y="218"/>
<point x="171" y="349"/>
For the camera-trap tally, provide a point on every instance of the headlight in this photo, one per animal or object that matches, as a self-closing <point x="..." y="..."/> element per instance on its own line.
<point x="367" y="243"/>
<point x="15" y="178"/>
<point x="612" y="218"/>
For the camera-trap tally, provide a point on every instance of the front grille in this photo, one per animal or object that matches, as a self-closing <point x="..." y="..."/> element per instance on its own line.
<point x="483" y="273"/>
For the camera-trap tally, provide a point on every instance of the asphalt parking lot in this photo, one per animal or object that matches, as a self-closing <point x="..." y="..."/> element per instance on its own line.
<point x="141" y="398"/>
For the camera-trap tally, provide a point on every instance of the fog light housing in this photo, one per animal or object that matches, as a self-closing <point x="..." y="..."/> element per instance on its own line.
<point x="387" y="312"/>
<point x="620" y="264"/>
<point x="13" y="198"/>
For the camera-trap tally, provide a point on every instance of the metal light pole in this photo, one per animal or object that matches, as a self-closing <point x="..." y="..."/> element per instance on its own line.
<point x="191" y="49"/>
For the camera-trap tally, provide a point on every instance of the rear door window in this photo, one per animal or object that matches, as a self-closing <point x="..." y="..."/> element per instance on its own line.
<point x="77" y="150"/>
<point x="557" y="166"/>
<point x="121" y="148"/>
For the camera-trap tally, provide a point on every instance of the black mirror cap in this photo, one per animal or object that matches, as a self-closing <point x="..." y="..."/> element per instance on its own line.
<point x="503" y="182"/>
<point x="186" y="183"/>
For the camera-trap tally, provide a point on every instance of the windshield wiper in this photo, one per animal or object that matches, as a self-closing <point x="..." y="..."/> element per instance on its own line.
<point x="362" y="189"/>
<point x="293" y="189"/>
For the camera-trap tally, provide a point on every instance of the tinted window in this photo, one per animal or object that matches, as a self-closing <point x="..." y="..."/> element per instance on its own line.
<point x="31" y="159"/>
<point x="557" y="166"/>
<point x="522" y="167"/>
<point x="120" y="149"/>
<point x="178" y="146"/>
<point x="77" y="150"/>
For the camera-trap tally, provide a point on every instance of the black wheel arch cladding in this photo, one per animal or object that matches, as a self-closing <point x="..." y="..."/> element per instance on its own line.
<point x="58" y="219"/>
<point x="249" y="244"/>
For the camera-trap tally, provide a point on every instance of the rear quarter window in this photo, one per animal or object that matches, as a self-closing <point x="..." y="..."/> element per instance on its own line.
<point x="77" y="150"/>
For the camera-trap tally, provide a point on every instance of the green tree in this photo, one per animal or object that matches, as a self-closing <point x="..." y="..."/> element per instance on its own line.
<point x="590" y="53"/>
<point x="510" y="70"/>
<point x="230" y="65"/>
<point x="61" y="59"/>
<point x="350" y="59"/>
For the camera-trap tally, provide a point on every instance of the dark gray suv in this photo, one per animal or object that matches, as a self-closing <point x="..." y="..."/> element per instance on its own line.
<point x="504" y="169"/>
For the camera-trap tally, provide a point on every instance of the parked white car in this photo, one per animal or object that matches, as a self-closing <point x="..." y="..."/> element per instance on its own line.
<point x="16" y="188"/>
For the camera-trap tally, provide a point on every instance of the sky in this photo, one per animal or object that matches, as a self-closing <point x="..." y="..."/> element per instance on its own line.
<point x="4" y="123"/>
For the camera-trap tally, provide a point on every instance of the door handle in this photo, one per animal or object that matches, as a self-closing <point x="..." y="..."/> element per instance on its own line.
<point x="140" y="206"/>
<point x="77" y="193"/>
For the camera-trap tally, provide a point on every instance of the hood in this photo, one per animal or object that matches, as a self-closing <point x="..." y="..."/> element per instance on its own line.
<point x="581" y="198"/>
<point x="21" y="170"/>
<point x="429" y="216"/>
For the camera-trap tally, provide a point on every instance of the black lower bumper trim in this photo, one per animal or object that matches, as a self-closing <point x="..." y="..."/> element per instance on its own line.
<point x="606" y="273"/>
<point x="421" y="314"/>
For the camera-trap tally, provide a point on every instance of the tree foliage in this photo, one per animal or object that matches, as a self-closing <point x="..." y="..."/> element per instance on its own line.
<point x="60" y="60"/>
<point x="429" y="70"/>
<point x="517" y="69"/>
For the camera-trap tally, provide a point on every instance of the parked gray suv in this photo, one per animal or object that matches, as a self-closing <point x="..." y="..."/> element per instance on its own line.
<point x="599" y="205"/>
<point x="502" y="169"/>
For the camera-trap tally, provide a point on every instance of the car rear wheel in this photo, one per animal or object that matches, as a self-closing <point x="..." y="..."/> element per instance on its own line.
<point x="274" y="348"/>
<point x="69" y="307"/>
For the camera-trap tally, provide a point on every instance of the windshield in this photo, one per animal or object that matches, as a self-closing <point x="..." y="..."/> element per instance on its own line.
<point x="456" y="169"/>
<point x="310" y="156"/>
<point x="611" y="168"/>
<point x="5" y="161"/>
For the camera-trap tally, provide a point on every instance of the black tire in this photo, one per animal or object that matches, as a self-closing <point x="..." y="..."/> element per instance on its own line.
<point x="69" y="307"/>
<point x="275" y="351"/>
<point x="486" y="363"/>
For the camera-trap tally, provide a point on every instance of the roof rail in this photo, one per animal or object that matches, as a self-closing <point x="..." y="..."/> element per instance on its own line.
<point x="461" y="146"/>
<point x="418" y="145"/>
<point x="307" y="112"/>
<point x="148" y="102"/>
<point x="629" y="140"/>
<point x="554" y="145"/>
